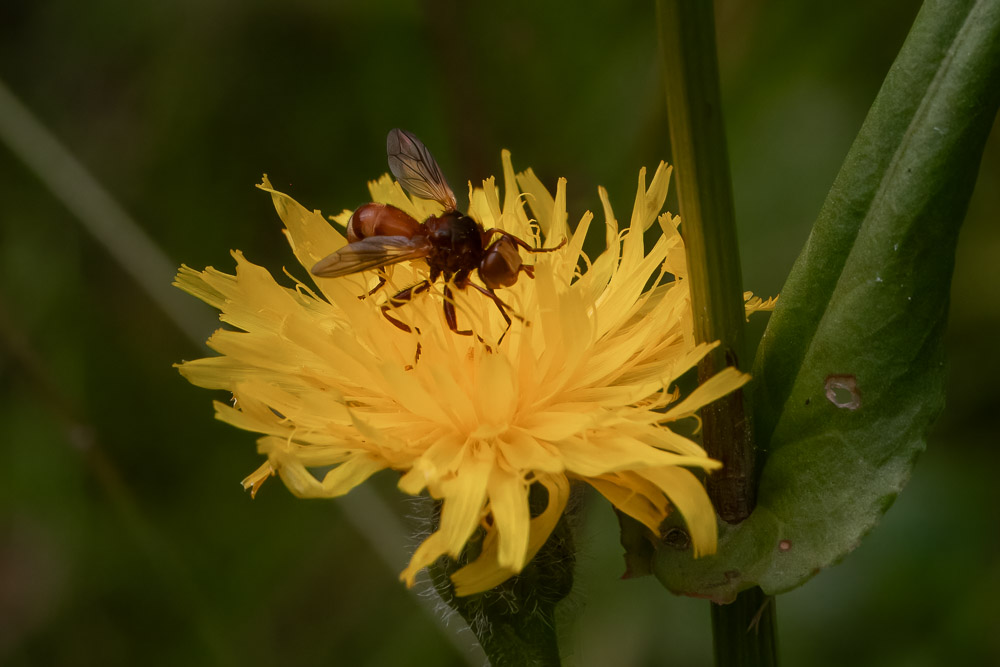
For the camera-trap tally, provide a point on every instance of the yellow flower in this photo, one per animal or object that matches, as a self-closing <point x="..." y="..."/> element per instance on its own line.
<point x="581" y="387"/>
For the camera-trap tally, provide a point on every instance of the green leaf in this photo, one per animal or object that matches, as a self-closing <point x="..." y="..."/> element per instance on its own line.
<point x="849" y="375"/>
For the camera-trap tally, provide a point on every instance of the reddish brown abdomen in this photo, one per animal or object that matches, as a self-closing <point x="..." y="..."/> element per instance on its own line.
<point x="380" y="220"/>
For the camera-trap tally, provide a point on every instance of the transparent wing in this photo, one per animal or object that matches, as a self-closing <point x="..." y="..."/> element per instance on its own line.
<point x="416" y="170"/>
<point x="371" y="253"/>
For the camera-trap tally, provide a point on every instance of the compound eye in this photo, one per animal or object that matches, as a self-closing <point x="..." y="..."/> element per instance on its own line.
<point x="500" y="264"/>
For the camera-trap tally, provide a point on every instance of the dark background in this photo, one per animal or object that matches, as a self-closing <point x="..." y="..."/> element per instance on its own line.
<point x="124" y="535"/>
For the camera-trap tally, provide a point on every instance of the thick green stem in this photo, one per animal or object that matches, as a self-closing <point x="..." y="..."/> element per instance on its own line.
<point x="744" y="631"/>
<point x="698" y="143"/>
<point x="526" y="640"/>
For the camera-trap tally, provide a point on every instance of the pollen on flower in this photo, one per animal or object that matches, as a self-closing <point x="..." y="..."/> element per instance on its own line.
<point x="581" y="388"/>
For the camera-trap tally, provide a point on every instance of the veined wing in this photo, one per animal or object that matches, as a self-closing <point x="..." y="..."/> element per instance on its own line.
<point x="371" y="253"/>
<point x="417" y="170"/>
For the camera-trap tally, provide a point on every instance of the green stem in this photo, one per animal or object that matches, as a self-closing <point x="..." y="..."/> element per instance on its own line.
<point x="744" y="631"/>
<point x="532" y="641"/>
<point x="698" y="145"/>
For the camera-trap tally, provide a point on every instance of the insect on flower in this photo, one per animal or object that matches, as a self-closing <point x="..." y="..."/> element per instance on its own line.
<point x="453" y="243"/>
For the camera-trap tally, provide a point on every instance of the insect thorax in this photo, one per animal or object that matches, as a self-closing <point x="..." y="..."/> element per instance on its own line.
<point x="458" y="244"/>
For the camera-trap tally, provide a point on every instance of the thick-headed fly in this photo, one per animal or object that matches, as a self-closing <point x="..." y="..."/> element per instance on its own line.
<point x="453" y="244"/>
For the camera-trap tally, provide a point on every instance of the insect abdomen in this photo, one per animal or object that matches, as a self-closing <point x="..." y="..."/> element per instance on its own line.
<point x="380" y="220"/>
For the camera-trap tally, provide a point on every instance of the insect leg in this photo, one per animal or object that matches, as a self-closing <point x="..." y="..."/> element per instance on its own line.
<point x="382" y="278"/>
<point x="501" y="306"/>
<point x="402" y="297"/>
<point x="521" y="242"/>
<point x="450" y="315"/>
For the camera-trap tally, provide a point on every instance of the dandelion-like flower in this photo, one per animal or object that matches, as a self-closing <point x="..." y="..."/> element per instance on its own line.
<point x="580" y="388"/>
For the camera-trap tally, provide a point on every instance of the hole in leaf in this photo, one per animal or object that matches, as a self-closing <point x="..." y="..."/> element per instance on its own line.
<point x="678" y="539"/>
<point x="842" y="391"/>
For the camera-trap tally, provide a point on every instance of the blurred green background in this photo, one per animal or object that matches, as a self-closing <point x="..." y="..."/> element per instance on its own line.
<point x="124" y="534"/>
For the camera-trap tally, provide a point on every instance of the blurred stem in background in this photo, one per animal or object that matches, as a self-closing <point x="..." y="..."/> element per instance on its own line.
<point x="143" y="260"/>
<point x="81" y="436"/>
<point x="743" y="632"/>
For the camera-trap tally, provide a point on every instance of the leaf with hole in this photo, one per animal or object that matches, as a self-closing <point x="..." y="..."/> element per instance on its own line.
<point x="850" y="373"/>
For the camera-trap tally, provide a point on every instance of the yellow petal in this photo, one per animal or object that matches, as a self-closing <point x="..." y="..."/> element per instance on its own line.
<point x="618" y="452"/>
<point x="310" y="235"/>
<point x="387" y="191"/>
<point x="552" y="426"/>
<point x="722" y="383"/>
<point x="523" y="451"/>
<point x="464" y="497"/>
<point x="539" y="200"/>
<point x="493" y="211"/>
<point x="429" y="551"/>
<point x="485" y="573"/>
<point x="634" y="495"/>
<point x="434" y="462"/>
<point x="496" y="385"/>
<point x="515" y="220"/>
<point x="688" y="495"/>
<point x="647" y="208"/>
<point x="193" y="282"/>
<point x="335" y="483"/>
<point x="254" y="480"/>
<point x="508" y="495"/>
